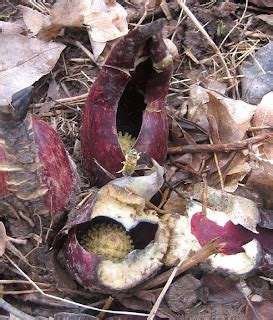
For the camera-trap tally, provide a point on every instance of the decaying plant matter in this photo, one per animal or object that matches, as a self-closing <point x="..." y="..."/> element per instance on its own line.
<point x="125" y="107"/>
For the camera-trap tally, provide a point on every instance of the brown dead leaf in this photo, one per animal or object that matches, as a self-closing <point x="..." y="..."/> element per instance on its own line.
<point x="261" y="180"/>
<point x="262" y="3"/>
<point x="268" y="18"/>
<point x="11" y="27"/>
<point x="19" y="71"/>
<point x="33" y="19"/>
<point x="69" y="13"/>
<point x="232" y="117"/>
<point x="198" y="106"/>
<point x="103" y="28"/>
<point x="238" y="209"/>
<point x="235" y="172"/>
<point x="264" y="113"/>
<point x="261" y="310"/>
<point x="105" y="21"/>
<point x="221" y="290"/>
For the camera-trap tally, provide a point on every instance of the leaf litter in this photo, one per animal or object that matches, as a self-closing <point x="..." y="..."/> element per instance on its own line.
<point x="203" y="110"/>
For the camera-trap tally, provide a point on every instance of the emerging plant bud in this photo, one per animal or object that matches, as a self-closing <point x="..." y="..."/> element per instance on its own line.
<point x="125" y="107"/>
<point x="37" y="175"/>
<point x="113" y="242"/>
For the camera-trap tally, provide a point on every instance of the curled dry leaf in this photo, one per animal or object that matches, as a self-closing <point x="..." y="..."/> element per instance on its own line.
<point x="33" y="19"/>
<point x="268" y="18"/>
<point x="19" y="71"/>
<point x="264" y="113"/>
<point x="109" y="23"/>
<point x="64" y="13"/>
<point x="232" y="117"/>
<point x="105" y="20"/>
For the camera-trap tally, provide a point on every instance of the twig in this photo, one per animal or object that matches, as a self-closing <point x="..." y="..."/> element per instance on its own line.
<point x="80" y="46"/>
<point x="149" y="204"/>
<point x="206" y="35"/>
<point x="163" y="292"/>
<point x="106" y="306"/>
<point x="228" y="147"/>
<point x="73" y="99"/>
<point x="143" y="16"/>
<point x="235" y="26"/>
<point x="76" y="304"/>
<point x="200" y="256"/>
<point x="14" y="311"/>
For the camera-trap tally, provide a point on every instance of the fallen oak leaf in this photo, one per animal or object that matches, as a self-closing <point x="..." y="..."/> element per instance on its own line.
<point x="117" y="14"/>
<point x="232" y="117"/>
<point x="64" y="13"/>
<point x="19" y="71"/>
<point x="33" y="19"/>
<point x="105" y="21"/>
<point x="7" y="27"/>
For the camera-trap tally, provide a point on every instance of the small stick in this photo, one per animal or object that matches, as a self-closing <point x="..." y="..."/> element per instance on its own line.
<point x="106" y="306"/>
<point x="163" y="292"/>
<point x="69" y="302"/>
<point x="165" y="196"/>
<point x="206" y="35"/>
<point x="228" y="147"/>
<point x="200" y="256"/>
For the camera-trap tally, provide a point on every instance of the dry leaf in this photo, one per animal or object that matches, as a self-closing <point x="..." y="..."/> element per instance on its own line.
<point x="261" y="180"/>
<point x="102" y="27"/>
<point x="11" y="27"/>
<point x="69" y="13"/>
<point x="100" y="33"/>
<point x="198" y="106"/>
<point x="232" y="117"/>
<point x="105" y="21"/>
<point x="264" y="113"/>
<point x="268" y="18"/>
<point x="260" y="311"/>
<point x="262" y="3"/>
<point x="18" y="71"/>
<point x="221" y="290"/>
<point x="33" y="19"/>
<point x="238" y="209"/>
<point x="235" y="172"/>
